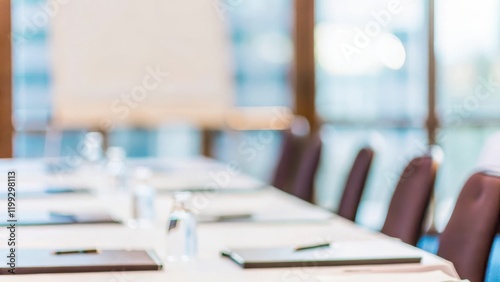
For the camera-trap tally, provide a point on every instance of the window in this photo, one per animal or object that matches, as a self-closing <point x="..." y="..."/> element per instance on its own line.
<point x="31" y="71"/>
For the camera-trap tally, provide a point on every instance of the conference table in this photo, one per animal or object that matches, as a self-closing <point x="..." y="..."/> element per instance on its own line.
<point x="278" y="219"/>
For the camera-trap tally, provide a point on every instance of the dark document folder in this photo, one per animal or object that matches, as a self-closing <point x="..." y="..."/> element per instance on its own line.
<point x="31" y="261"/>
<point x="341" y="254"/>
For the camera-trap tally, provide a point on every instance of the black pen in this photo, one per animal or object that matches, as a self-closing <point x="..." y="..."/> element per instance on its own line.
<point x="60" y="214"/>
<point x="72" y="252"/>
<point x="303" y="248"/>
<point x="230" y="217"/>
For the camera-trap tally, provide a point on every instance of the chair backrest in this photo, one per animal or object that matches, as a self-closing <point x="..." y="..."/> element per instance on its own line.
<point x="309" y="163"/>
<point x="355" y="184"/>
<point x="410" y="200"/>
<point x="467" y="239"/>
<point x="288" y="163"/>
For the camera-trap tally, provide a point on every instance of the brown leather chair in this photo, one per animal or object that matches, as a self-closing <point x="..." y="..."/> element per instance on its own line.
<point x="355" y="184"/>
<point x="291" y="154"/>
<point x="410" y="200"/>
<point x="309" y="163"/>
<point x="467" y="239"/>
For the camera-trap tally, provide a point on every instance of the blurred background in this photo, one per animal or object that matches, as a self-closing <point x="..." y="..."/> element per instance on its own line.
<point x="373" y="69"/>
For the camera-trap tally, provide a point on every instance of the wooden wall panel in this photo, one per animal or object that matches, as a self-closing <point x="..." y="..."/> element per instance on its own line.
<point x="6" y="132"/>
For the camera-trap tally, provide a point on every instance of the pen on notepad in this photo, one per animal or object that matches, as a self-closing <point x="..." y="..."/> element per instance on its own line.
<point x="303" y="248"/>
<point x="70" y="252"/>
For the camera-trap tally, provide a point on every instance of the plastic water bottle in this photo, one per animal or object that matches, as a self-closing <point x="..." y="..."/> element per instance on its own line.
<point x="181" y="230"/>
<point x="143" y="199"/>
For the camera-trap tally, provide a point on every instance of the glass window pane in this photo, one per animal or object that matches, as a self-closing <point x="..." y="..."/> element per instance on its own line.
<point x="31" y="67"/>
<point x="371" y="60"/>
<point x="261" y="33"/>
<point x="468" y="56"/>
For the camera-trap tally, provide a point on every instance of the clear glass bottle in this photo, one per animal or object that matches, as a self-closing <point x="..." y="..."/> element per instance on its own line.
<point x="142" y="199"/>
<point x="92" y="147"/>
<point x="182" y="242"/>
<point x="116" y="168"/>
<point x="91" y="151"/>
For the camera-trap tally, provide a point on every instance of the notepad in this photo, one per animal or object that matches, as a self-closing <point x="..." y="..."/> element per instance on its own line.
<point x="202" y="182"/>
<point x="31" y="261"/>
<point x="56" y="218"/>
<point x="347" y="253"/>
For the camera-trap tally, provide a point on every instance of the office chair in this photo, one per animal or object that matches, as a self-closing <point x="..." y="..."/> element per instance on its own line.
<point x="468" y="237"/>
<point x="293" y="145"/>
<point x="288" y="163"/>
<point x="303" y="186"/>
<point x="355" y="184"/>
<point x="411" y="199"/>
